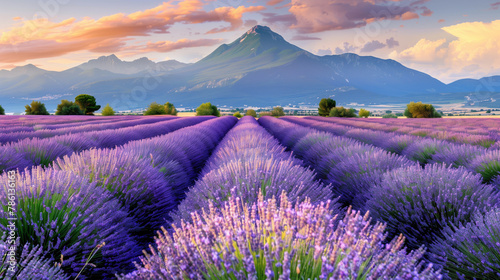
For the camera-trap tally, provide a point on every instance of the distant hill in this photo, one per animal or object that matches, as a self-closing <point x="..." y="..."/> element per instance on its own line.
<point x="260" y="68"/>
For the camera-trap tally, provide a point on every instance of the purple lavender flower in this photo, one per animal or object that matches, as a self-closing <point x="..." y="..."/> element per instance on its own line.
<point x="140" y="187"/>
<point x="353" y="174"/>
<point x="10" y="159"/>
<point x="471" y="251"/>
<point x="30" y="263"/>
<point x="488" y="165"/>
<point x="422" y="151"/>
<point x="243" y="166"/>
<point x="457" y="155"/>
<point x="301" y="241"/>
<point x="40" y="151"/>
<point x="419" y="202"/>
<point x="65" y="215"/>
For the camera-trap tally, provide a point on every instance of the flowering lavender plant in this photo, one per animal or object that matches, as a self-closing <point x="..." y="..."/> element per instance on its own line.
<point x="65" y="215"/>
<point x="270" y="241"/>
<point x="40" y="151"/>
<point x="141" y="188"/>
<point x="353" y="174"/>
<point x="422" y="151"/>
<point x="488" y="165"/>
<point x="10" y="159"/>
<point x="235" y="172"/>
<point x="457" y="155"/>
<point x="421" y="202"/>
<point x="30" y="265"/>
<point x="471" y="251"/>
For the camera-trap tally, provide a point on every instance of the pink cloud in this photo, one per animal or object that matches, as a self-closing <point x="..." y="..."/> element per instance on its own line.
<point x="168" y="46"/>
<point x="304" y="38"/>
<point x="495" y="6"/>
<point x="42" y="38"/>
<point x="274" y="2"/>
<point x="318" y="15"/>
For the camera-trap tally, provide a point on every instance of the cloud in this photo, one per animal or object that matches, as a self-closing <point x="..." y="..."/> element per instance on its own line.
<point x="495" y="6"/>
<point x="304" y="38"/>
<point x="372" y="46"/>
<point x="41" y="38"/>
<point x="273" y="18"/>
<point x="427" y="12"/>
<point x="318" y="15"/>
<point x="475" y="44"/>
<point x="168" y="46"/>
<point x="321" y="52"/>
<point x="441" y="20"/>
<point x="425" y="51"/>
<point x="274" y="2"/>
<point x="391" y="43"/>
<point x="347" y="48"/>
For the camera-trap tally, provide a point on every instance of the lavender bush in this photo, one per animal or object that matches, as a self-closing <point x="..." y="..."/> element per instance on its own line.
<point x="354" y="174"/>
<point x="270" y="241"/>
<point x="10" y="159"/>
<point x="422" y="151"/>
<point x="457" y="155"/>
<point x="420" y="202"/>
<point x="40" y="151"/>
<point x="471" y="251"/>
<point x="65" y="215"/>
<point x="235" y="172"/>
<point x="30" y="264"/>
<point x="140" y="187"/>
<point x="488" y="165"/>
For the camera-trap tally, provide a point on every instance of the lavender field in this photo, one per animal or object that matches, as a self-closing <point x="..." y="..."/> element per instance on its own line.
<point x="164" y="197"/>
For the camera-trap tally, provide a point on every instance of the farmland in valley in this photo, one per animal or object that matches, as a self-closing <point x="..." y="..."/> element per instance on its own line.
<point x="164" y="197"/>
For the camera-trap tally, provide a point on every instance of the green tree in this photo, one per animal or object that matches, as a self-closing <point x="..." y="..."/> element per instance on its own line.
<point x="108" y="111"/>
<point x="155" y="109"/>
<point x="36" y="108"/>
<point x="263" y="114"/>
<point x="277" y="112"/>
<point x="341" y="112"/>
<point x="251" y="112"/>
<point x="2" y="111"/>
<point x="421" y="110"/>
<point x="238" y="115"/>
<point x="87" y="103"/>
<point x="170" y="109"/>
<point x="388" y="112"/>
<point x="364" y="113"/>
<point x="389" y="116"/>
<point x="207" y="109"/>
<point x="68" y="108"/>
<point x="325" y="106"/>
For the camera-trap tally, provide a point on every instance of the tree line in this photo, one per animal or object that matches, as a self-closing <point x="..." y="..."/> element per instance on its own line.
<point x="85" y="104"/>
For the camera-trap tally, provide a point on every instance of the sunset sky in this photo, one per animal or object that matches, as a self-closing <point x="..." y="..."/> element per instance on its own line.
<point x="446" y="39"/>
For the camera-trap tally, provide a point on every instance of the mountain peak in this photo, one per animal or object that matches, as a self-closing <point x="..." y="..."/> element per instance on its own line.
<point x="259" y="29"/>
<point x="108" y="58"/>
<point x="28" y="69"/>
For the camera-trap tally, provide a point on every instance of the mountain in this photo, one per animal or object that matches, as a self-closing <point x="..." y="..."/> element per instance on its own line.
<point x="115" y="65"/>
<point x="260" y="68"/>
<point x="486" y="84"/>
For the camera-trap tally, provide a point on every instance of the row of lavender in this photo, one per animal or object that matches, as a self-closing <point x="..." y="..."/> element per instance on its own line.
<point x="110" y="199"/>
<point x="449" y="210"/>
<point x="480" y="132"/>
<point x="72" y="128"/>
<point x="257" y="213"/>
<point x="482" y="126"/>
<point x="423" y="150"/>
<point x="35" y="151"/>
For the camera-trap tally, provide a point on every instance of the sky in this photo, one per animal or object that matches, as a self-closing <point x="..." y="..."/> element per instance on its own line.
<point x="448" y="40"/>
